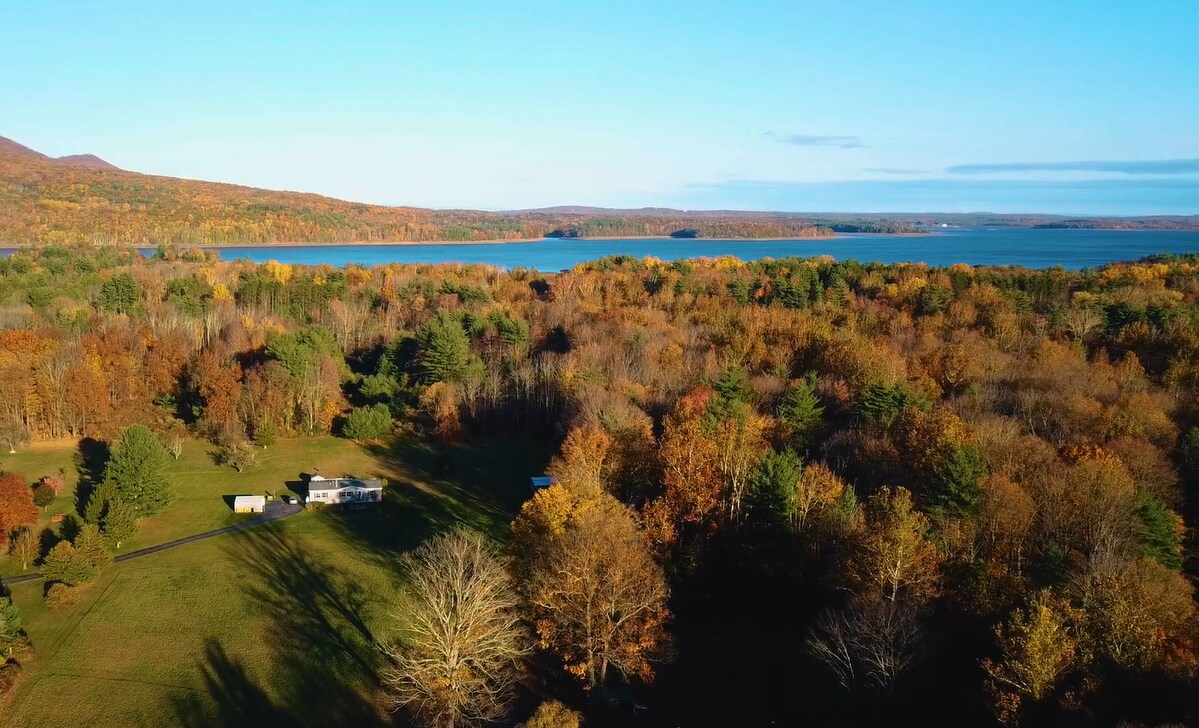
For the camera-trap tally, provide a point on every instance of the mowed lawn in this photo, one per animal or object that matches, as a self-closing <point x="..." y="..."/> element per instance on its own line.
<point x="276" y="625"/>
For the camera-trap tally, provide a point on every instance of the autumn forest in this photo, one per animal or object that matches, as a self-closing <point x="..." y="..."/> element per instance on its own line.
<point x="812" y="491"/>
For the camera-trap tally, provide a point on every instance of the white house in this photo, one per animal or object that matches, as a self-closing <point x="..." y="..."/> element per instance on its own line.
<point x="249" y="503"/>
<point x="344" y="490"/>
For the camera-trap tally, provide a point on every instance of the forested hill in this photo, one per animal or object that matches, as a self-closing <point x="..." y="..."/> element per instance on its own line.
<point x="83" y="199"/>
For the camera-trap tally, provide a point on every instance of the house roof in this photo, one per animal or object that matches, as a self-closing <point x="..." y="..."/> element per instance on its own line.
<point x="249" y="500"/>
<point x="339" y="483"/>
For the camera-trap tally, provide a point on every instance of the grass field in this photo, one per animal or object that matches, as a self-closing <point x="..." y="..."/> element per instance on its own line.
<point x="271" y="626"/>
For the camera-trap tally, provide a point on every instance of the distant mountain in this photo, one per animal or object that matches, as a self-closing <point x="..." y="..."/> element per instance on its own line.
<point x="83" y="199"/>
<point x="19" y="151"/>
<point x="10" y="148"/>
<point x="85" y="160"/>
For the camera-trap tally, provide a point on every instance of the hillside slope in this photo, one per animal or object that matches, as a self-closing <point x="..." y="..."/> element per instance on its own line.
<point x="83" y="199"/>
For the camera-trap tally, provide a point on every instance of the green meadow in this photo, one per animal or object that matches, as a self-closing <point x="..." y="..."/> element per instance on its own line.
<point x="229" y="630"/>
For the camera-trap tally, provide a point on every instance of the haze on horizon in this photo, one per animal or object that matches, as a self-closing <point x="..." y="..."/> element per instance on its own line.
<point x="803" y="106"/>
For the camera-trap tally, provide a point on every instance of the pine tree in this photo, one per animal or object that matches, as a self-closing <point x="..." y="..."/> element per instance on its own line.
<point x="772" y="492"/>
<point x="445" y="349"/>
<point x="65" y="564"/>
<point x="12" y="632"/>
<point x="137" y="472"/>
<point x="119" y="522"/>
<point x="800" y="410"/>
<point x="97" y="502"/>
<point x="91" y="548"/>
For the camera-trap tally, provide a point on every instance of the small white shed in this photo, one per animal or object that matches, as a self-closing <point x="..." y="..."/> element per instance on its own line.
<point x="249" y="503"/>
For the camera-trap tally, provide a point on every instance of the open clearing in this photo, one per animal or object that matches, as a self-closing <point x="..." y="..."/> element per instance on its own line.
<point x="275" y="625"/>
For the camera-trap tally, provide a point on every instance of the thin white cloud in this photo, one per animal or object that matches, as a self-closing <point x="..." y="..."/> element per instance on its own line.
<point x="1139" y="166"/>
<point x="896" y="170"/>
<point x="840" y="141"/>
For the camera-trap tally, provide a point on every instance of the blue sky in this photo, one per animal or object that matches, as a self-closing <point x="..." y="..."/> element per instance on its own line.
<point x="1016" y="106"/>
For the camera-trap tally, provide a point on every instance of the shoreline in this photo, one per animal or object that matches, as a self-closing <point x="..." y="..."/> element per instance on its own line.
<point x="519" y="241"/>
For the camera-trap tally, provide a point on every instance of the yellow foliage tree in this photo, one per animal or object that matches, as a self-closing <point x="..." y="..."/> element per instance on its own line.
<point x="1038" y="646"/>
<point x="894" y="560"/>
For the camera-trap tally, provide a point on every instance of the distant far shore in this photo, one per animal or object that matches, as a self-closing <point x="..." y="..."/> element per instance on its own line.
<point x="505" y="241"/>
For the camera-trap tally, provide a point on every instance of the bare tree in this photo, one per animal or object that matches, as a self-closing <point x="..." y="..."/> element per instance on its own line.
<point x="870" y="642"/>
<point x="457" y="661"/>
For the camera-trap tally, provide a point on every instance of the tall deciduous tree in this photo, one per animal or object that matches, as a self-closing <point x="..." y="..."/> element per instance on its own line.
<point x="691" y="483"/>
<point x="596" y="595"/>
<point x="457" y="662"/>
<point x="136" y="471"/>
<point x="894" y="560"/>
<point x="870" y="643"/>
<point x="818" y="487"/>
<point x="24" y="548"/>
<point x="1038" y="646"/>
<point x="581" y="465"/>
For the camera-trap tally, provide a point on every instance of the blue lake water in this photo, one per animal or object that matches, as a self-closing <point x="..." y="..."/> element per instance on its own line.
<point x="977" y="246"/>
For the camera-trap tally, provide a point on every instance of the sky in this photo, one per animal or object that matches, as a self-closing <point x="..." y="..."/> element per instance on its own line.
<point x="1056" y="106"/>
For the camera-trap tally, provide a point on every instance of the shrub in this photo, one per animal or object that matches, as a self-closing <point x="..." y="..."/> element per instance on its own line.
<point x="8" y="675"/>
<point x="552" y="714"/>
<point x="43" y="495"/>
<point x="60" y="597"/>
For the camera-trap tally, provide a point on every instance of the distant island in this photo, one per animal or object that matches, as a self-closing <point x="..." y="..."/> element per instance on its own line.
<point x="82" y="199"/>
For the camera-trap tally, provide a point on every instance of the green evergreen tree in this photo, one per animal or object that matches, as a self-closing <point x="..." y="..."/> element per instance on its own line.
<point x="772" y="491"/>
<point x="1159" y="529"/>
<point x="119" y="294"/>
<point x="883" y="404"/>
<point x="445" y="349"/>
<point x="957" y="479"/>
<point x="65" y="564"/>
<point x="800" y="410"/>
<point x="12" y="631"/>
<point x="512" y="331"/>
<point x="302" y="350"/>
<point x="136" y="471"/>
<point x="119" y="522"/>
<point x="90" y="546"/>
<point x="97" y="502"/>
<point x="368" y="423"/>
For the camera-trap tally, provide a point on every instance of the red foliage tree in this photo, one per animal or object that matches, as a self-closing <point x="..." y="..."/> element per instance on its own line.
<point x="16" y="503"/>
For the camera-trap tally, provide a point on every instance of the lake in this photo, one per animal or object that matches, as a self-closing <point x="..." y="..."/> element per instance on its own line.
<point x="977" y="246"/>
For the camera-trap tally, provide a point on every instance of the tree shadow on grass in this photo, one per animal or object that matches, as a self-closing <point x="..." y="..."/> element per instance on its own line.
<point x="90" y="458"/>
<point x="483" y="488"/>
<point x="479" y="484"/>
<point x="324" y="651"/>
<point x="230" y="697"/>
